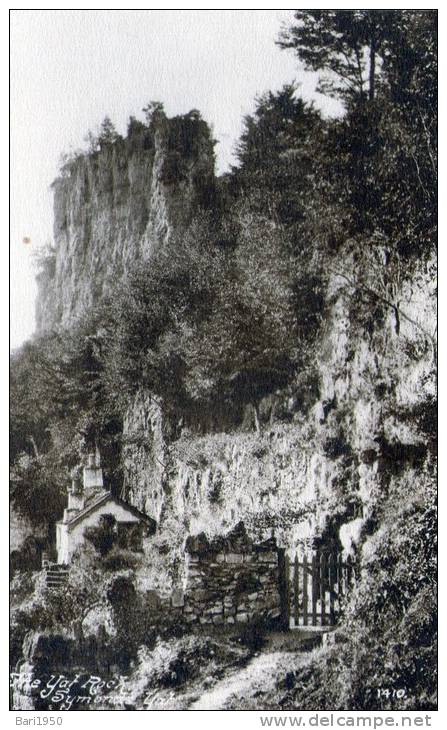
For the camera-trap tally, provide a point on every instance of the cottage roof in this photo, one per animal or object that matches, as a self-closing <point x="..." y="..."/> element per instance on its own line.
<point x="94" y="504"/>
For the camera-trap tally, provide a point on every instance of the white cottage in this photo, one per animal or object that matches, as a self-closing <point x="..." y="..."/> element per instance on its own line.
<point x="88" y="504"/>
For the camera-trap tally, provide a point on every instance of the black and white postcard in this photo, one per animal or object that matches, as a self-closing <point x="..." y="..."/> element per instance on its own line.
<point x="223" y="404"/>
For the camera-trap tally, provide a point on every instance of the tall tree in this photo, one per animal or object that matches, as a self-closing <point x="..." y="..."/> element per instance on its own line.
<point x="277" y="153"/>
<point x="346" y="43"/>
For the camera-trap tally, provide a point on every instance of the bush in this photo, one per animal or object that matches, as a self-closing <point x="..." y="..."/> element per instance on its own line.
<point x="102" y="537"/>
<point x="177" y="662"/>
<point x="20" y="623"/>
<point x="118" y="559"/>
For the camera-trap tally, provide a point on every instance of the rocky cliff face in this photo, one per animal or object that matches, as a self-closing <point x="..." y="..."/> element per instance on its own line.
<point x="312" y="473"/>
<point x="115" y="207"/>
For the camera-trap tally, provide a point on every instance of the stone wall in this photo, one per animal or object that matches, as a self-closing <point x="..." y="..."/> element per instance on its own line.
<point x="231" y="580"/>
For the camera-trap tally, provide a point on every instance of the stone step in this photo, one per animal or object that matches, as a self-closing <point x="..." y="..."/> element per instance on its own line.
<point x="56" y="578"/>
<point x="58" y="573"/>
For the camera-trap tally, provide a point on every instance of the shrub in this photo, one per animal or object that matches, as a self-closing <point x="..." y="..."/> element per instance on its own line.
<point x="102" y="537"/>
<point x="118" y="559"/>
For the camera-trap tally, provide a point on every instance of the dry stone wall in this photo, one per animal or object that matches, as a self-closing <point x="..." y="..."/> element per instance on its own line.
<point x="231" y="580"/>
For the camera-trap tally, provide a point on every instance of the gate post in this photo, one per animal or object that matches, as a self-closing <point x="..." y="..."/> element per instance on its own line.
<point x="284" y="589"/>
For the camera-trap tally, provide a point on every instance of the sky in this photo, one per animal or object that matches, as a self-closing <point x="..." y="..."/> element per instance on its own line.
<point x="71" y="68"/>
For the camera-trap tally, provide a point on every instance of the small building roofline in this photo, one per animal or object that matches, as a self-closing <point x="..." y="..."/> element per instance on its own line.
<point x="105" y="498"/>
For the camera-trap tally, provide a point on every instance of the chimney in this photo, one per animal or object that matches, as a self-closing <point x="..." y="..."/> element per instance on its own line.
<point x="76" y="498"/>
<point x="93" y="479"/>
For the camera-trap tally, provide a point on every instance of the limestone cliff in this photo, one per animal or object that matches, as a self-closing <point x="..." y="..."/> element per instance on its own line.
<point x="312" y="472"/>
<point x="116" y="206"/>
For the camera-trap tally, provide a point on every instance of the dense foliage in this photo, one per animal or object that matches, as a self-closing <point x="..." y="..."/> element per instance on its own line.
<point x="60" y="407"/>
<point x="232" y="312"/>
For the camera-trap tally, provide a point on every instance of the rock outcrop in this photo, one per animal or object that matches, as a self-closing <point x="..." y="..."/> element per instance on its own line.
<point x="114" y="207"/>
<point x="317" y="473"/>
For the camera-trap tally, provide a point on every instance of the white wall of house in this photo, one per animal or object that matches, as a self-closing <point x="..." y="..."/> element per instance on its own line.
<point x="69" y="538"/>
<point x="62" y="543"/>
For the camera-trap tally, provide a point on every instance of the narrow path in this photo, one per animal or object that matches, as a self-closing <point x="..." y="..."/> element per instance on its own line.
<point x="253" y="677"/>
<point x="263" y="671"/>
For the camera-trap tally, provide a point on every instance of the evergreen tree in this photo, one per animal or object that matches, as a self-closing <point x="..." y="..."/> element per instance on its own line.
<point x="347" y="44"/>
<point x="107" y="134"/>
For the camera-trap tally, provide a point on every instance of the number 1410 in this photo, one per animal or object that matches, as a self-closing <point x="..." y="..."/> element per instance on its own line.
<point x="398" y="694"/>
